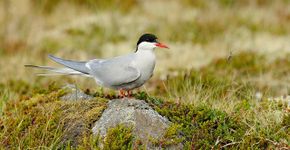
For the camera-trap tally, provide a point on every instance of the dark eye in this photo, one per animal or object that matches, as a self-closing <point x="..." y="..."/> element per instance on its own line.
<point x="150" y="40"/>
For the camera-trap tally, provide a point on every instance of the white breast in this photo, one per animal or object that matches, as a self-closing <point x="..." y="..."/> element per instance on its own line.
<point x="145" y="62"/>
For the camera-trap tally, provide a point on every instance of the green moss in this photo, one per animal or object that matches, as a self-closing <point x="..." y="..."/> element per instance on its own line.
<point x="119" y="138"/>
<point x="200" y="126"/>
<point x="26" y="123"/>
<point x="171" y="137"/>
<point x="45" y="121"/>
<point x="39" y="118"/>
<point x="231" y="83"/>
<point x="78" y="118"/>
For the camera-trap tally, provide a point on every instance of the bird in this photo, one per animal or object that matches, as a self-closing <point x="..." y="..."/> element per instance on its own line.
<point x="123" y="73"/>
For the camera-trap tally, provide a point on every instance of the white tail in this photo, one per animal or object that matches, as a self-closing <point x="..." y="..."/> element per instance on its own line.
<point x="57" y="71"/>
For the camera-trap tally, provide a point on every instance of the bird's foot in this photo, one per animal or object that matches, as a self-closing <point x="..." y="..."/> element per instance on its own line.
<point x="122" y="94"/>
<point x="129" y="94"/>
<point x="125" y="93"/>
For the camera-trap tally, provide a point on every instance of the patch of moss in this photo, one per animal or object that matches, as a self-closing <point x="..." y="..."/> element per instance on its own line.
<point x="172" y="137"/>
<point x="119" y="138"/>
<point x="78" y="118"/>
<point x="201" y="126"/>
<point x="27" y="123"/>
<point x="45" y="121"/>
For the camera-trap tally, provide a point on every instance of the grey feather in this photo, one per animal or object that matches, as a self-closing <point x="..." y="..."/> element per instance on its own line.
<point x="115" y="71"/>
<point x="56" y="71"/>
<point x="75" y="65"/>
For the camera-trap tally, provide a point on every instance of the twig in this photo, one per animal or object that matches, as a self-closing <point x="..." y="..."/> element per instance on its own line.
<point x="229" y="144"/>
<point x="275" y="143"/>
<point x="216" y="143"/>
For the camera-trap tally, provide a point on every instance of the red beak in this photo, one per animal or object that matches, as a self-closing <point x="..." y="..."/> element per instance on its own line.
<point x="161" y="45"/>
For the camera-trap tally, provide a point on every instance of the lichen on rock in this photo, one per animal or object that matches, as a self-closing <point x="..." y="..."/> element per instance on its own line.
<point x="146" y="123"/>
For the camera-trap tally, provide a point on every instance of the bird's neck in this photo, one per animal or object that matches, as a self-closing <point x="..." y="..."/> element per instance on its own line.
<point x="148" y="55"/>
<point x="145" y="52"/>
<point x="145" y="60"/>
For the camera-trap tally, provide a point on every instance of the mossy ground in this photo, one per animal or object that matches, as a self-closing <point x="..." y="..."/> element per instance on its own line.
<point x="43" y="121"/>
<point x="226" y="114"/>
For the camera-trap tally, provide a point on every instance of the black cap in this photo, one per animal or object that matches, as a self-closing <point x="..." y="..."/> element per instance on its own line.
<point x="147" y="38"/>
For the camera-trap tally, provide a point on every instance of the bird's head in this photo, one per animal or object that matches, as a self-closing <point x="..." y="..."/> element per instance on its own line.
<point x="149" y="42"/>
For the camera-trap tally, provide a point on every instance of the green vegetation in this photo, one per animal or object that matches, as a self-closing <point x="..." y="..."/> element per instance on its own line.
<point x="218" y="84"/>
<point x="44" y="121"/>
<point x="223" y="111"/>
<point x="204" y="127"/>
<point x="120" y="137"/>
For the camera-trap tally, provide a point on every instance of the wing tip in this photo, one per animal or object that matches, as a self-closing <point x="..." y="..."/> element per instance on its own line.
<point x="30" y="66"/>
<point x="51" y="57"/>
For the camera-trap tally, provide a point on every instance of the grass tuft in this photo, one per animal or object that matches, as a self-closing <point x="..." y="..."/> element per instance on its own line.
<point x="119" y="137"/>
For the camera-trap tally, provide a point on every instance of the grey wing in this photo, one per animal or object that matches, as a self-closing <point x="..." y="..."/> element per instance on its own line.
<point x="75" y="65"/>
<point x="113" y="72"/>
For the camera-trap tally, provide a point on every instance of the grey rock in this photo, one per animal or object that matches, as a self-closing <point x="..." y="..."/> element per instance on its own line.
<point x="73" y="131"/>
<point x="146" y="122"/>
<point x="74" y="94"/>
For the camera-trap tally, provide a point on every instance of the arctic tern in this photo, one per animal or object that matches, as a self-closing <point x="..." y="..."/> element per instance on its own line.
<point x="123" y="73"/>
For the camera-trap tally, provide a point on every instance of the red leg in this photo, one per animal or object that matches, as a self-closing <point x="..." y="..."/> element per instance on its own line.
<point x="129" y="93"/>
<point x="122" y="93"/>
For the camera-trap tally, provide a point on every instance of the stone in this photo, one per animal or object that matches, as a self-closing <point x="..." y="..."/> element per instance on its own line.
<point x="146" y="122"/>
<point x="74" y="94"/>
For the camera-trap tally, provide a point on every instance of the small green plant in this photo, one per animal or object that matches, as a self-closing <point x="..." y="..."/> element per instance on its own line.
<point x="172" y="137"/>
<point x="4" y="97"/>
<point x="119" y="138"/>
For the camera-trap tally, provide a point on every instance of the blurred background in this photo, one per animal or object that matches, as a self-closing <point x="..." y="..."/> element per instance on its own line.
<point x="198" y="32"/>
<point x="224" y="80"/>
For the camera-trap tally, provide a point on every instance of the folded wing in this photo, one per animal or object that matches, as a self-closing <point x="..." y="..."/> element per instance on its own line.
<point x="113" y="72"/>
<point x="79" y="66"/>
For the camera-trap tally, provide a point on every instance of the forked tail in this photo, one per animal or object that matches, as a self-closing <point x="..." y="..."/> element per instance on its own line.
<point x="57" y="71"/>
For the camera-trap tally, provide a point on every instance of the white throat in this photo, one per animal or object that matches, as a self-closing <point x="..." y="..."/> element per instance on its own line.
<point x="145" y="62"/>
<point x="146" y="53"/>
<point x="145" y="46"/>
<point x="145" y="57"/>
